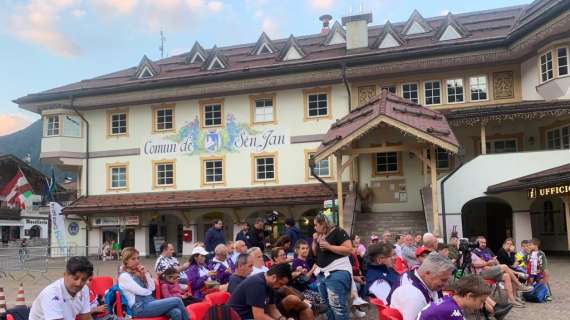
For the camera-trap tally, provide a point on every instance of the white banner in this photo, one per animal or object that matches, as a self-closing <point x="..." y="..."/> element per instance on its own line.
<point x="57" y="223"/>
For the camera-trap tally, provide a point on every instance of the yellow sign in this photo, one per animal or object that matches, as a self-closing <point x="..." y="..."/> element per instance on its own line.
<point x="534" y="193"/>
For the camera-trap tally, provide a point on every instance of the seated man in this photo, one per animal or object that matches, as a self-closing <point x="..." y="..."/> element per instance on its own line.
<point x="424" y="287"/>
<point x="67" y="297"/>
<point x="430" y="241"/>
<point x="166" y="260"/>
<point x="471" y="291"/>
<point x="220" y="264"/>
<point x="258" y="263"/>
<point x="485" y="263"/>
<point x="244" y="266"/>
<point x="254" y="298"/>
<point x="381" y="278"/>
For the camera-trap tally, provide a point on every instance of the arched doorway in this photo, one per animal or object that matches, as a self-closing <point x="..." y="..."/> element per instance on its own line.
<point x="35" y="231"/>
<point x="548" y="221"/>
<point x="490" y="217"/>
<point x="274" y="226"/>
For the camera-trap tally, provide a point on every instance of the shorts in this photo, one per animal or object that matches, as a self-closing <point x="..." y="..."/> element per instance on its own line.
<point x="493" y="273"/>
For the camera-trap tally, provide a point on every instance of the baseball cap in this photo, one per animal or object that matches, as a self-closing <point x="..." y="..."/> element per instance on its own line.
<point x="421" y="250"/>
<point x="199" y="250"/>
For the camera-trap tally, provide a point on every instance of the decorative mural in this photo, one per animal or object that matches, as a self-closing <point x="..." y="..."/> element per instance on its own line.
<point x="234" y="136"/>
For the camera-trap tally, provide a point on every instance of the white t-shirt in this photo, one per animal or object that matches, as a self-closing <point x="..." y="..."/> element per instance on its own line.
<point x="257" y="270"/>
<point x="410" y="300"/>
<point x="380" y="289"/>
<point x="55" y="302"/>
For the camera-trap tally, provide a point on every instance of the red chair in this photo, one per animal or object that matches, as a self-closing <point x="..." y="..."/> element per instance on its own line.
<point x="198" y="310"/>
<point x="121" y="315"/>
<point x="157" y="292"/>
<point x="379" y="306"/>
<point x="100" y="285"/>
<point x="400" y="265"/>
<point x="391" y="314"/>
<point x="9" y="317"/>
<point x="215" y="298"/>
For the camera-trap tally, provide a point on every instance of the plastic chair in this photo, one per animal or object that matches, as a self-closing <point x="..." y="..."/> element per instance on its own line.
<point x="121" y="315"/>
<point x="9" y="317"/>
<point x="391" y="314"/>
<point x="100" y="285"/>
<point x="215" y="298"/>
<point x="379" y="306"/>
<point x="199" y="310"/>
<point x="157" y="292"/>
<point x="400" y="265"/>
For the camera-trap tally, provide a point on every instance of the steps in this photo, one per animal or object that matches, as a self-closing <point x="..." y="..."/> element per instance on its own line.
<point x="396" y="222"/>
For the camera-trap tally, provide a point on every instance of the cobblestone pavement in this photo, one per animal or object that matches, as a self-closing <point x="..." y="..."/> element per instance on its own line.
<point x="558" y="309"/>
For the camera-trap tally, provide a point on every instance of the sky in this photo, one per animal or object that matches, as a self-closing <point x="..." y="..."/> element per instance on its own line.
<point x="49" y="43"/>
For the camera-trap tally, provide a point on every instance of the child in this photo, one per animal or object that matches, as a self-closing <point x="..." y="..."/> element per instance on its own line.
<point x="538" y="266"/>
<point x="170" y="287"/>
<point x="521" y="257"/>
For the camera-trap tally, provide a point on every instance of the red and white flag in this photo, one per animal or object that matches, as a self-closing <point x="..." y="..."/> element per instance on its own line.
<point x="17" y="191"/>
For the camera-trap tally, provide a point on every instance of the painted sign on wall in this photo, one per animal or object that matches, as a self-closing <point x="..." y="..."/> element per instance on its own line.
<point x="234" y="136"/>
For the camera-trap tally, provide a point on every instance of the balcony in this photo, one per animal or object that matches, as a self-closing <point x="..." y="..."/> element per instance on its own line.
<point x="63" y="151"/>
<point x="558" y="88"/>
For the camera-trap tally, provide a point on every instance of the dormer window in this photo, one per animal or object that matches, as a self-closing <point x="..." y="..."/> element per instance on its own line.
<point x="197" y="58"/>
<point x="416" y="25"/>
<point x="146" y="73"/>
<point x="388" y="42"/>
<point x="292" y="50"/>
<point x="415" y="28"/>
<point x="146" y="69"/>
<point x="264" y="45"/>
<point x="197" y="54"/>
<point x="216" y="64"/>
<point x="336" y="35"/>
<point x="450" y="34"/>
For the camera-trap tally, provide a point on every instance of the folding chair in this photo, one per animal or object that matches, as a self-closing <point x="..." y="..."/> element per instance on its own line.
<point x="215" y="298"/>
<point x="101" y="284"/>
<point x="197" y="311"/>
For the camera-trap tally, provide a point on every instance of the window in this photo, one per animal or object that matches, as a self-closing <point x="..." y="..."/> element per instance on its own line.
<point x="317" y="105"/>
<point x="213" y="171"/>
<point x="391" y="89"/>
<point x="432" y="92"/>
<point x="443" y="159"/>
<point x="455" y="90"/>
<point x="163" y="118"/>
<point x="262" y="109"/>
<point x="71" y="126"/>
<point x="117" y="176"/>
<point x="387" y="162"/>
<point x="546" y="67"/>
<point x="478" y="87"/>
<point x="410" y="92"/>
<point x="164" y="173"/>
<point x="52" y="126"/>
<point x="502" y="146"/>
<point x="265" y="167"/>
<point x="212" y="115"/>
<point x="562" y="61"/>
<point x="558" y="138"/>
<point x="322" y="168"/>
<point x="118" y="123"/>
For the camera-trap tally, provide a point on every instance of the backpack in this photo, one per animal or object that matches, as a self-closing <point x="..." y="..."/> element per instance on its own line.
<point x="538" y="293"/>
<point x="221" y="312"/>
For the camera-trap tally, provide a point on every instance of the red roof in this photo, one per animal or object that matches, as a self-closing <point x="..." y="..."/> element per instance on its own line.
<point x="550" y="177"/>
<point x="215" y="198"/>
<point x="392" y="110"/>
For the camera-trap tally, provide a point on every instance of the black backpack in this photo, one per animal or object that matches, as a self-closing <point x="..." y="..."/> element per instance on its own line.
<point x="221" y="312"/>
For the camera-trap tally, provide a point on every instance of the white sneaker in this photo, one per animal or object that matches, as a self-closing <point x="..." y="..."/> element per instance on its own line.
<point x="358" y="314"/>
<point x="358" y="301"/>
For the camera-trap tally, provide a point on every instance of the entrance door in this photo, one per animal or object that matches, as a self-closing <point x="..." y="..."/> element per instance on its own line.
<point x="489" y="217"/>
<point x="127" y="237"/>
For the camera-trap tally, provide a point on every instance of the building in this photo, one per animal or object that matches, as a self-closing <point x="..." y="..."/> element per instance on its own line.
<point x="32" y="222"/>
<point x="166" y="147"/>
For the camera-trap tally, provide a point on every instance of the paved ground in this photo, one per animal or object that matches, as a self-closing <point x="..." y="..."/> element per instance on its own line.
<point x="557" y="309"/>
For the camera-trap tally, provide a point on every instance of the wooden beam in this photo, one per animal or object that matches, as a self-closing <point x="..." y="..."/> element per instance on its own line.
<point x="348" y="162"/>
<point x="435" y="211"/>
<point x="339" y="190"/>
<point x="483" y="139"/>
<point x="379" y="149"/>
<point x="566" y="200"/>
<point x="425" y="166"/>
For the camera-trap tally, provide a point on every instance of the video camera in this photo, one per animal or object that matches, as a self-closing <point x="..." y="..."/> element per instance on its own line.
<point x="464" y="260"/>
<point x="466" y="246"/>
<point x="271" y="218"/>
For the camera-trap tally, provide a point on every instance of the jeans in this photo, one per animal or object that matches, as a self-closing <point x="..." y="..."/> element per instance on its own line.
<point x="335" y="290"/>
<point x="173" y="308"/>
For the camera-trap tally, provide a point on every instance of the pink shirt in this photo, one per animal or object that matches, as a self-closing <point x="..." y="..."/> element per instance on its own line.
<point x="168" y="290"/>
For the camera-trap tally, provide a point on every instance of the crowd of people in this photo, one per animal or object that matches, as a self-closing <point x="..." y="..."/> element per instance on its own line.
<point x="329" y="274"/>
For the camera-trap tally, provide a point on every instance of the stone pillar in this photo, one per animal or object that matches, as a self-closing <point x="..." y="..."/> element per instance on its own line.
<point x="141" y="240"/>
<point x="522" y="227"/>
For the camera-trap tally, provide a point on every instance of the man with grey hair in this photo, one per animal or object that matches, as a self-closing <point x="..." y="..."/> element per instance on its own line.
<point x="430" y="241"/>
<point x="409" y="251"/>
<point x="244" y="265"/>
<point x="258" y="263"/>
<point x="424" y="287"/>
<point x="221" y="264"/>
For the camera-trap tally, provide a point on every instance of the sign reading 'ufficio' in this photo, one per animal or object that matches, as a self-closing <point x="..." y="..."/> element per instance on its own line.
<point x="534" y="193"/>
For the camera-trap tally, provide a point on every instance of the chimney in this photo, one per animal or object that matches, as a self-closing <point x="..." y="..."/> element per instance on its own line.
<point x="325" y="19"/>
<point x="357" y="30"/>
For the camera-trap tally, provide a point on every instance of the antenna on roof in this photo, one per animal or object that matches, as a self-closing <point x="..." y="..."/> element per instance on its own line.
<point x="162" y="41"/>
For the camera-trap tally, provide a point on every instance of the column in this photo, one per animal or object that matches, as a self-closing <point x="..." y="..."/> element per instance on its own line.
<point x="434" y="200"/>
<point x="141" y="240"/>
<point x="483" y="138"/>
<point x="339" y="190"/>
<point x="567" y="213"/>
<point x="522" y="226"/>
<point x="188" y="246"/>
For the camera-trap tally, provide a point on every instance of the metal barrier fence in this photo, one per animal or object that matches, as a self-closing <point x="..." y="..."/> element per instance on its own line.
<point x="19" y="263"/>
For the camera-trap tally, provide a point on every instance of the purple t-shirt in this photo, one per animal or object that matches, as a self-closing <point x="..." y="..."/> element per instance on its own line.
<point x="444" y="309"/>
<point x="303" y="264"/>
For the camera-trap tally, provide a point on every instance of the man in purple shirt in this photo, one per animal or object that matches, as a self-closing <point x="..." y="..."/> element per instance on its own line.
<point x="471" y="291"/>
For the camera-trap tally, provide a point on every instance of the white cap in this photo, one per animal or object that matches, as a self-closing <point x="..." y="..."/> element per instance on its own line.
<point x="200" y="251"/>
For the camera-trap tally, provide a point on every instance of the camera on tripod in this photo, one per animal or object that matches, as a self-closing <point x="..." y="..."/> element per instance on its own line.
<point x="463" y="262"/>
<point x="466" y="246"/>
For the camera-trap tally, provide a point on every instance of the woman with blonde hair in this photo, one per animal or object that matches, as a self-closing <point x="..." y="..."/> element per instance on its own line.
<point x="137" y="285"/>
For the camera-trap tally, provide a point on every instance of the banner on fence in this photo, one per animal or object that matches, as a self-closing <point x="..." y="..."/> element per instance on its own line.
<point x="57" y="223"/>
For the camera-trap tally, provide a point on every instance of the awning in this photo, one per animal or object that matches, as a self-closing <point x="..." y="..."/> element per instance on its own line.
<point x="305" y="194"/>
<point x="389" y="109"/>
<point x="546" y="178"/>
<point x="11" y="223"/>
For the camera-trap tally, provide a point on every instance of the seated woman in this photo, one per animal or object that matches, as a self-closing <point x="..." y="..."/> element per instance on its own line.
<point x="381" y="278"/>
<point x="506" y="256"/>
<point x="137" y="285"/>
<point x="198" y="273"/>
